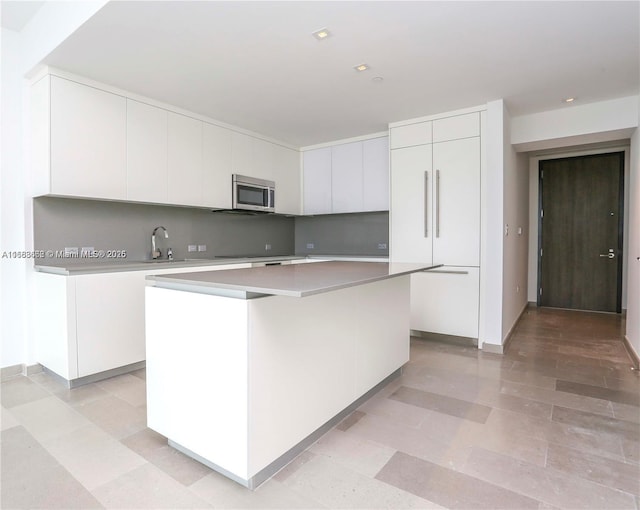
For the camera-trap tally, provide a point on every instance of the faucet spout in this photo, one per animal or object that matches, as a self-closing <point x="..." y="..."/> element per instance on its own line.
<point x="155" y="253"/>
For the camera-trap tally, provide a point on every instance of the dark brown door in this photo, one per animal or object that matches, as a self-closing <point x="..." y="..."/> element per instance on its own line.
<point x="581" y="215"/>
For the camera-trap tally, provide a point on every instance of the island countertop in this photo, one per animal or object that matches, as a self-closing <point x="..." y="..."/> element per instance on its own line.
<point x="295" y="280"/>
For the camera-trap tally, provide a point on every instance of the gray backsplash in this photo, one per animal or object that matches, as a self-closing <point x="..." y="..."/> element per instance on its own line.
<point x="62" y="222"/>
<point x="343" y="234"/>
<point x="104" y="225"/>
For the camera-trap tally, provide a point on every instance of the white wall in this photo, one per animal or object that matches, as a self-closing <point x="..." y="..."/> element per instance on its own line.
<point x="13" y="272"/>
<point x="633" y="292"/>
<point x="516" y="232"/>
<point x="490" y="327"/>
<point x="576" y="125"/>
<point x="21" y="52"/>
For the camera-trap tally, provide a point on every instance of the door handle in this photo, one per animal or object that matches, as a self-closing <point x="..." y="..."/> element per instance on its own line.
<point x="608" y="255"/>
<point x="426" y="203"/>
<point x="437" y="203"/>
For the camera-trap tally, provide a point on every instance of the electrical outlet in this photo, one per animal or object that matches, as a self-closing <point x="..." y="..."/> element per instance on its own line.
<point x="71" y="251"/>
<point x="310" y="246"/>
<point x="382" y="246"/>
<point x="202" y="247"/>
<point x="267" y="247"/>
<point x="506" y="229"/>
<point x="519" y="231"/>
<point x="192" y="247"/>
<point x="517" y="288"/>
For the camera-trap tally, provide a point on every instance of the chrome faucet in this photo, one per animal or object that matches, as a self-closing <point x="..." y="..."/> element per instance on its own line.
<point x="155" y="253"/>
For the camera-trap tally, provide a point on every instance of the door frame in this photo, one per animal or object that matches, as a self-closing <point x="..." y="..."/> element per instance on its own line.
<point x="622" y="209"/>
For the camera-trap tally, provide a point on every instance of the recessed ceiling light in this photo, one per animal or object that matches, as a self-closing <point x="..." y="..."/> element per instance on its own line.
<point x="361" y="67"/>
<point x="321" y="34"/>
<point x="569" y="100"/>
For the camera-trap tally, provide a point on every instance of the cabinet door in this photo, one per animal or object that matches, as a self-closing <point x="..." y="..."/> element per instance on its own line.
<point x="411" y="216"/>
<point x="263" y="159"/>
<point x="184" y="160"/>
<point x="346" y="177"/>
<point x="446" y="301"/>
<point x="410" y="135"/>
<point x="287" y="177"/>
<point x="241" y="153"/>
<point x="216" y="166"/>
<point x="147" y="171"/>
<point x="110" y="321"/>
<point x="317" y="181"/>
<point x="88" y="141"/>
<point x="459" y="126"/>
<point x="375" y="167"/>
<point x="456" y="165"/>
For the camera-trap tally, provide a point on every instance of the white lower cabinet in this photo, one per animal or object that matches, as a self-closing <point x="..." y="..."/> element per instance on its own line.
<point x="446" y="300"/>
<point x="93" y="323"/>
<point x="108" y="321"/>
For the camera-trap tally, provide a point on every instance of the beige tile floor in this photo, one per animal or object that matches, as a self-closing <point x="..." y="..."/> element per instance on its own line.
<point x="554" y="423"/>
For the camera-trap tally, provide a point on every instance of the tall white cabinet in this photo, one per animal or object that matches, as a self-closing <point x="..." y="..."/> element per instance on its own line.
<point x="435" y="218"/>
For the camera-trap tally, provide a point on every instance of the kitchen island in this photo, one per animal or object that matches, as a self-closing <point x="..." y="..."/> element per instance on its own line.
<point x="247" y="367"/>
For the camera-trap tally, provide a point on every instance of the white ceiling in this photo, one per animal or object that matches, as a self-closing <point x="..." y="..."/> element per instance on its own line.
<point x="256" y="65"/>
<point x="16" y="14"/>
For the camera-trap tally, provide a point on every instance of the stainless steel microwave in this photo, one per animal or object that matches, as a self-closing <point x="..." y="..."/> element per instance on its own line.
<point x="253" y="194"/>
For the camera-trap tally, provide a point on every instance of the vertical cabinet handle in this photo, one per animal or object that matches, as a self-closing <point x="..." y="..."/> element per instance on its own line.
<point x="437" y="203"/>
<point x="426" y="203"/>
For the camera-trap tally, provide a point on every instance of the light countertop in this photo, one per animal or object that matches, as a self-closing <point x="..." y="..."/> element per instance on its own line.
<point x="296" y="280"/>
<point x="80" y="266"/>
<point x="73" y="267"/>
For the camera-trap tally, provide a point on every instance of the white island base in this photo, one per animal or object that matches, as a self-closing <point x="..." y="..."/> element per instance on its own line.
<point x="245" y="385"/>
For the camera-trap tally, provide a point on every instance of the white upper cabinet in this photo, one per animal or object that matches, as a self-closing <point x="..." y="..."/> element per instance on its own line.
<point x="216" y="162"/>
<point x="453" y="128"/>
<point x="263" y="159"/>
<point x="87" y="141"/>
<point x="184" y="160"/>
<point x="241" y="154"/>
<point x="90" y="143"/>
<point x="147" y="171"/>
<point x="317" y="181"/>
<point x="410" y="135"/>
<point x="375" y="178"/>
<point x="287" y="177"/>
<point x="346" y="178"/>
